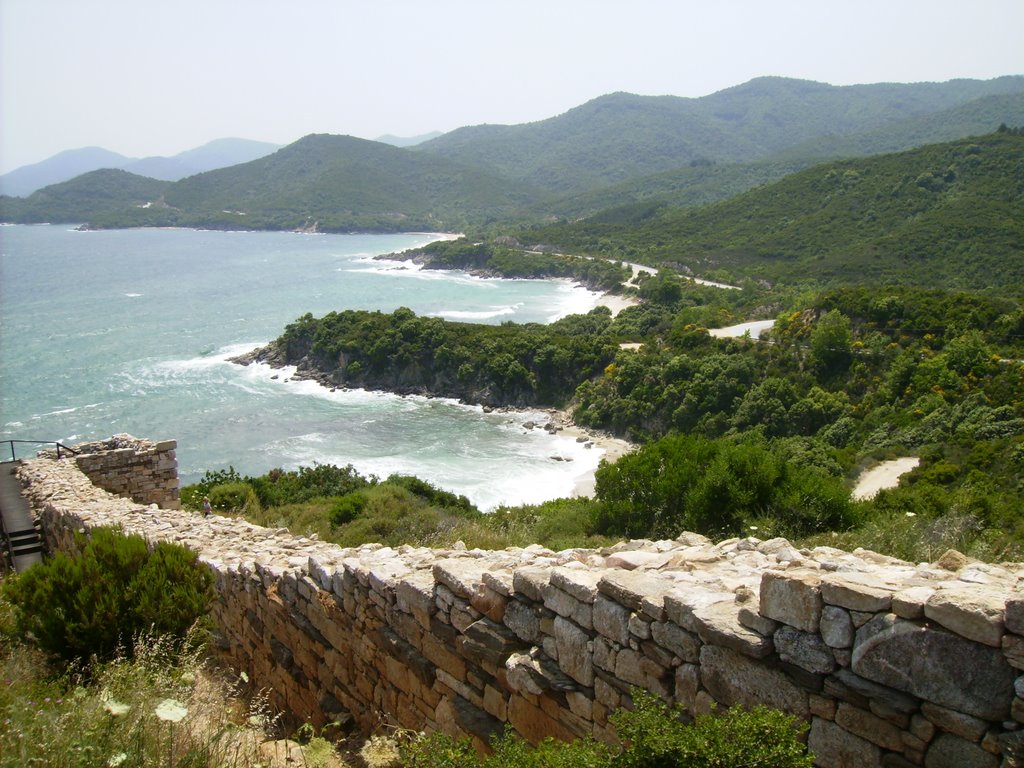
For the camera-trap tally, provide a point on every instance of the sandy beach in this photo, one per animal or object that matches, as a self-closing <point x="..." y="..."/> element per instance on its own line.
<point x="882" y="476"/>
<point x="617" y="303"/>
<point x="613" y="448"/>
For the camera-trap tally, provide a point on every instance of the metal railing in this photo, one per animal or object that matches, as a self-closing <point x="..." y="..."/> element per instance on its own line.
<point x="10" y="446"/>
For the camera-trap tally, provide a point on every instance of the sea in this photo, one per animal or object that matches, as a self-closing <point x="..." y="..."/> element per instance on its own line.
<point x="131" y="331"/>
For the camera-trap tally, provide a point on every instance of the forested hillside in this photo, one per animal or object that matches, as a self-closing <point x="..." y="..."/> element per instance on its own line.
<point x="92" y="194"/>
<point x="942" y="215"/>
<point x="623" y="136"/>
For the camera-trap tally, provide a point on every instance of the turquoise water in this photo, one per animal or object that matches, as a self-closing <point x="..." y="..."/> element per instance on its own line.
<point x="130" y="331"/>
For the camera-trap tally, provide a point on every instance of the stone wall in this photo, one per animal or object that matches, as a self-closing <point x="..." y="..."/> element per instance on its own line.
<point x="891" y="663"/>
<point x="140" y="470"/>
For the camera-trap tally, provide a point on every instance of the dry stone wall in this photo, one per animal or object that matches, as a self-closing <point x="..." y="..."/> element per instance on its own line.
<point x="891" y="663"/>
<point x="141" y="470"/>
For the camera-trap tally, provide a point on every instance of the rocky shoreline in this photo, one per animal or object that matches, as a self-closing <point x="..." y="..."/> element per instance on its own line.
<point x="559" y="421"/>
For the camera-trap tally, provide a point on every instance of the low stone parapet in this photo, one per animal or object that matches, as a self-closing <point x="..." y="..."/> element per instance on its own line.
<point x="891" y="663"/>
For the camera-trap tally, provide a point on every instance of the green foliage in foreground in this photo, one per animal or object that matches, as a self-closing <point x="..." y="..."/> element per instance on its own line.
<point x="96" y="602"/>
<point x="652" y="735"/>
<point x="121" y="712"/>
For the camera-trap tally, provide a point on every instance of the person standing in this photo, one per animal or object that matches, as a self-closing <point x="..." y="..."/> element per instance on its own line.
<point x="207" y="508"/>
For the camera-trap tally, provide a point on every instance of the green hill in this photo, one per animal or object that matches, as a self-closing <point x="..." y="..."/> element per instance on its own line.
<point x="332" y="183"/>
<point x="95" y="193"/>
<point x="949" y="215"/>
<point x="623" y="136"/>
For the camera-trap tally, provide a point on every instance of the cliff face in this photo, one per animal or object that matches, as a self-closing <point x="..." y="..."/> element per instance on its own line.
<point x="892" y="663"/>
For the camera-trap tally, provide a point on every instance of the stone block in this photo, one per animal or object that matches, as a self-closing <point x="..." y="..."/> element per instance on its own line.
<point x="575" y="651"/>
<point x="909" y="603"/>
<point x="719" y="624"/>
<point x="611" y="620"/>
<point x="639" y="627"/>
<point x="581" y="584"/>
<point x="751" y="619"/>
<point x="836" y="627"/>
<point x="533" y="724"/>
<point x="524" y="620"/>
<point x="976" y="614"/>
<point x="460" y="575"/>
<point x="957" y="723"/>
<point x="1015" y="615"/>
<point x="806" y="650"/>
<point x="635" y="668"/>
<point x="792" y="597"/>
<point x="869" y="727"/>
<point x="486" y="639"/>
<point x="732" y="678"/>
<point x="822" y="706"/>
<point x="835" y="747"/>
<point x="949" y="751"/>
<point x="1013" y="650"/>
<point x="530" y="582"/>
<point x="680" y="604"/>
<point x="676" y="640"/>
<point x="687" y="685"/>
<point x="566" y="605"/>
<point x="632" y="589"/>
<point x="856" y="592"/>
<point x="934" y="665"/>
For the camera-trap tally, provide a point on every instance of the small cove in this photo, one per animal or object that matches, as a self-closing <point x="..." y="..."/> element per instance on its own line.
<point x="131" y="331"/>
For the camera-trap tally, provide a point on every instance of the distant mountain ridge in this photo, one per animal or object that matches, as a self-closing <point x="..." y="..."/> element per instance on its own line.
<point x="66" y="165"/>
<point x="614" y="151"/>
<point x="622" y="136"/>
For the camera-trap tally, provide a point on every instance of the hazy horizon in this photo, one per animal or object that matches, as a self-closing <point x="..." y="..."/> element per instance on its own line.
<point x="145" y="80"/>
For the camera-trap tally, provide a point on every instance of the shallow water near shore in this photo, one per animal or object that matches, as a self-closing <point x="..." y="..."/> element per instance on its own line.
<point x="131" y="331"/>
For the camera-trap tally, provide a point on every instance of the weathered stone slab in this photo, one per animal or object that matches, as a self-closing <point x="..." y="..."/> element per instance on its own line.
<point x="957" y="723"/>
<point x="524" y="619"/>
<point x="806" y="650"/>
<point x="1015" y="615"/>
<point x="751" y="619"/>
<point x="949" y="751"/>
<point x="676" y="640"/>
<point x="579" y="583"/>
<point x="869" y="727"/>
<point x="976" y="614"/>
<point x="633" y="588"/>
<point x="575" y="651"/>
<point x="719" y="624"/>
<point x="461" y="576"/>
<point x="733" y="678"/>
<point x="909" y="603"/>
<point x="836" y="747"/>
<point x="836" y="627"/>
<point x="564" y="604"/>
<point x="611" y="620"/>
<point x="792" y="597"/>
<point x="485" y="639"/>
<point x="856" y="592"/>
<point x="681" y="603"/>
<point x="530" y="582"/>
<point x="1013" y="649"/>
<point x="934" y="665"/>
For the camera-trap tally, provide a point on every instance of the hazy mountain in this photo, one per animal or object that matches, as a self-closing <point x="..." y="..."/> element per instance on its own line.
<point x="622" y="136"/>
<point x="61" y="167"/>
<point x="219" y="153"/>
<point x="408" y="141"/>
<point x="333" y="183"/>
<point x="74" y="162"/>
<point x="88" y="195"/>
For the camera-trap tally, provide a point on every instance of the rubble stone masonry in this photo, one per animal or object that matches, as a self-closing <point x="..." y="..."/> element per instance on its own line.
<point x="891" y="663"/>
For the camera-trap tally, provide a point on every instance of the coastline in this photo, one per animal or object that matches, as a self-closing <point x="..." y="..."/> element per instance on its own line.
<point x="614" y="448"/>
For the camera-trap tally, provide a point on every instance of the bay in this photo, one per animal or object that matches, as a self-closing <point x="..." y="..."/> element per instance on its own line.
<point x="131" y="330"/>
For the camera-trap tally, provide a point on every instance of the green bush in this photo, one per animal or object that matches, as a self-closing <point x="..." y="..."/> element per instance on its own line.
<point x="652" y="735"/>
<point x="98" y="601"/>
<point x="234" y="498"/>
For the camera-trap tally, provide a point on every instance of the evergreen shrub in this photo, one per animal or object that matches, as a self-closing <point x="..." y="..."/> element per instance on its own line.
<point x="98" y="601"/>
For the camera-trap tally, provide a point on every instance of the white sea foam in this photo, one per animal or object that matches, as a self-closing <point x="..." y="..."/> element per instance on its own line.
<point x="133" y="295"/>
<point x="485" y="314"/>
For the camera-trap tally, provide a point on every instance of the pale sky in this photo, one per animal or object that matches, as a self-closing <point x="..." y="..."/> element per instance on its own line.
<point x="156" y="78"/>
